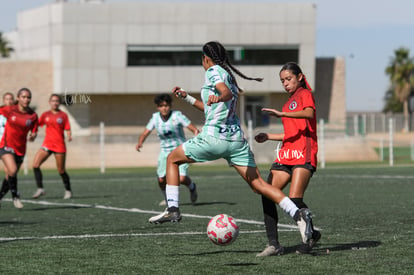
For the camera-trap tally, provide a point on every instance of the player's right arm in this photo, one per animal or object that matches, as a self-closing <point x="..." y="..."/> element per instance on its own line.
<point x="142" y="138"/>
<point x="180" y="93"/>
<point x="262" y="137"/>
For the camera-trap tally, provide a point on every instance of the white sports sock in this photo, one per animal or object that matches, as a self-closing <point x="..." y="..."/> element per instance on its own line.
<point x="288" y="206"/>
<point x="173" y="193"/>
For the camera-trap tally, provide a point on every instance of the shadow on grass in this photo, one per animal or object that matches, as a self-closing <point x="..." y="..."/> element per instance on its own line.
<point x="59" y="208"/>
<point x="210" y="203"/>
<point x="322" y="250"/>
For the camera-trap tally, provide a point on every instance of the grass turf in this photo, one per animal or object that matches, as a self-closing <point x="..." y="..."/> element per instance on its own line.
<point x="364" y="214"/>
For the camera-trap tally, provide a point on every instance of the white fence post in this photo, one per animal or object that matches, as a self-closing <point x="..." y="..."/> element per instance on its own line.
<point x="322" y="141"/>
<point x="391" y="149"/>
<point x="102" y="146"/>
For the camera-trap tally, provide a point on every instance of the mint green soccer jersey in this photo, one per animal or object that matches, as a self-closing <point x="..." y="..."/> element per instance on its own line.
<point x="170" y="132"/>
<point x="221" y="119"/>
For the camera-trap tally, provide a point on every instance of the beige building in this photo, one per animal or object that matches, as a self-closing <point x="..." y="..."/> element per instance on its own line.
<point x="110" y="59"/>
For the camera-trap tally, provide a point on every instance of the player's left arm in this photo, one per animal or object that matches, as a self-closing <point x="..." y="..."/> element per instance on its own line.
<point x="307" y="113"/>
<point x="193" y="129"/>
<point x="33" y="132"/>
<point x="225" y="94"/>
<point x="69" y="135"/>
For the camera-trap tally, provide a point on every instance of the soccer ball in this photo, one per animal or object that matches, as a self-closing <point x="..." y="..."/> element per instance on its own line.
<point x="222" y="229"/>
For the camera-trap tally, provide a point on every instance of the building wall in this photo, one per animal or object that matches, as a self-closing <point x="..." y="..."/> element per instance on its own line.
<point x="35" y="75"/>
<point x="89" y="51"/>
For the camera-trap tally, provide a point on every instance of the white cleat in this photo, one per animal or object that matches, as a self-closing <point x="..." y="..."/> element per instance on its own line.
<point x="17" y="203"/>
<point x="39" y="192"/>
<point x="305" y="224"/>
<point x="155" y="218"/>
<point x="68" y="195"/>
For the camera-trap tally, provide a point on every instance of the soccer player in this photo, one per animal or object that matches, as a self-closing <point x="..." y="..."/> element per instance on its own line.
<point x="56" y="122"/>
<point x="222" y="137"/>
<point x="296" y="159"/>
<point x="169" y="125"/>
<point x="22" y="124"/>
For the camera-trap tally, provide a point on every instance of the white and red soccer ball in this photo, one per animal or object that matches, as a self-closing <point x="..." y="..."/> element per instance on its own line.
<point x="222" y="229"/>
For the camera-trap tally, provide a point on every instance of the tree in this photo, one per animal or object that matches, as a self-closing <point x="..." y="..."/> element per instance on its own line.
<point x="5" y="49"/>
<point x="401" y="72"/>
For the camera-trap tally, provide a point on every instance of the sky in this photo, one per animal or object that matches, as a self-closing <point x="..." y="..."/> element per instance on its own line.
<point x="364" y="32"/>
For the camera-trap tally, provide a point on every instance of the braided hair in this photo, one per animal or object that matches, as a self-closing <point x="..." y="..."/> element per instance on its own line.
<point x="218" y="54"/>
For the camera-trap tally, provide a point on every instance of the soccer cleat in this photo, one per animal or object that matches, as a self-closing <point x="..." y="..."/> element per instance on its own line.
<point x="271" y="250"/>
<point x="68" y="195"/>
<point x="162" y="203"/>
<point x="306" y="248"/>
<point x="305" y="224"/>
<point x="17" y="203"/>
<point x="167" y="216"/>
<point x="193" y="194"/>
<point x="155" y="218"/>
<point x="39" y="192"/>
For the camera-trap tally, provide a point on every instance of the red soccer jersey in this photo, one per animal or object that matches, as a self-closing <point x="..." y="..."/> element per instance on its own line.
<point x="300" y="144"/>
<point x="17" y="127"/>
<point x="56" y="124"/>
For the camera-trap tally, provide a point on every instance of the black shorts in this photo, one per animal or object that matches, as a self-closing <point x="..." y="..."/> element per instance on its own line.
<point x="289" y="168"/>
<point x="8" y="150"/>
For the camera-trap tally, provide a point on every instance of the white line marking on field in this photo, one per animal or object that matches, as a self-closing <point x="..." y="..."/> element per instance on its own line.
<point x="90" y="236"/>
<point x="137" y="210"/>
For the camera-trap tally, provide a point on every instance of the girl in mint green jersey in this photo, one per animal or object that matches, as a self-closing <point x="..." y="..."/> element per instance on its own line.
<point x="221" y="137"/>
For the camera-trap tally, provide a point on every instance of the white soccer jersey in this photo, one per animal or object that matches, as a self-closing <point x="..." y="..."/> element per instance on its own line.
<point x="221" y="118"/>
<point x="3" y="121"/>
<point x="170" y="132"/>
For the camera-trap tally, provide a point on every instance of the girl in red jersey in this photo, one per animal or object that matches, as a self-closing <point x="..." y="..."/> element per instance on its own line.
<point x="21" y="126"/>
<point x="296" y="159"/>
<point x="56" y="122"/>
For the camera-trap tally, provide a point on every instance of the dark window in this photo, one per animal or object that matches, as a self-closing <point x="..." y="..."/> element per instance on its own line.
<point x="191" y="56"/>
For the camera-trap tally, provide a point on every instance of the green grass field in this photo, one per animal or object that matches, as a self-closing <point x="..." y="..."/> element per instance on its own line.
<point x="365" y="215"/>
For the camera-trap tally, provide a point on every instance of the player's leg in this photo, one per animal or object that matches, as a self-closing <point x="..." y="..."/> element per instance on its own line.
<point x="61" y="167"/>
<point x="161" y="173"/>
<point x="186" y="180"/>
<point x="5" y="184"/>
<point x="175" y="158"/>
<point x="9" y="161"/>
<point x="300" y="179"/>
<point x="40" y="157"/>
<point x="279" y="179"/>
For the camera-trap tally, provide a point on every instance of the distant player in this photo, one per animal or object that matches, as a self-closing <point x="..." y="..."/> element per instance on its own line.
<point x="22" y="124"/>
<point x="297" y="158"/>
<point x="57" y="123"/>
<point x="169" y="125"/>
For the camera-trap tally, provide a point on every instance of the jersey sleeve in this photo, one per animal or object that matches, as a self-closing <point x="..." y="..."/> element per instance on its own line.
<point x="67" y="124"/>
<point x="308" y="100"/>
<point x="214" y="76"/>
<point x="41" y="121"/>
<point x="182" y="119"/>
<point x="151" y="123"/>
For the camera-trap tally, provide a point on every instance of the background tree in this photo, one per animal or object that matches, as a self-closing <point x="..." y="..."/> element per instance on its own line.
<point x="5" y="48"/>
<point x="401" y="72"/>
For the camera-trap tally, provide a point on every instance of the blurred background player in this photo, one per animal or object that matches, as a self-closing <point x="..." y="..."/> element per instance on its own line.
<point x="56" y="122"/>
<point x="21" y="120"/>
<point x="170" y="130"/>
<point x="297" y="158"/>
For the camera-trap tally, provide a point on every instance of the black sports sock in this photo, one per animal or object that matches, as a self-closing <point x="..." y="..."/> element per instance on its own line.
<point x="13" y="186"/>
<point x="4" y="188"/>
<point x="299" y="202"/>
<point x="270" y="220"/>
<point x="66" y="181"/>
<point x="38" y="177"/>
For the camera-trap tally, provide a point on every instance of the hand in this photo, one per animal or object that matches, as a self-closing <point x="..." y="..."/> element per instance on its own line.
<point x="179" y="92"/>
<point x="32" y="136"/>
<point x="212" y="99"/>
<point x="261" y="137"/>
<point x="69" y="138"/>
<point x="273" y="112"/>
<point x="138" y="146"/>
